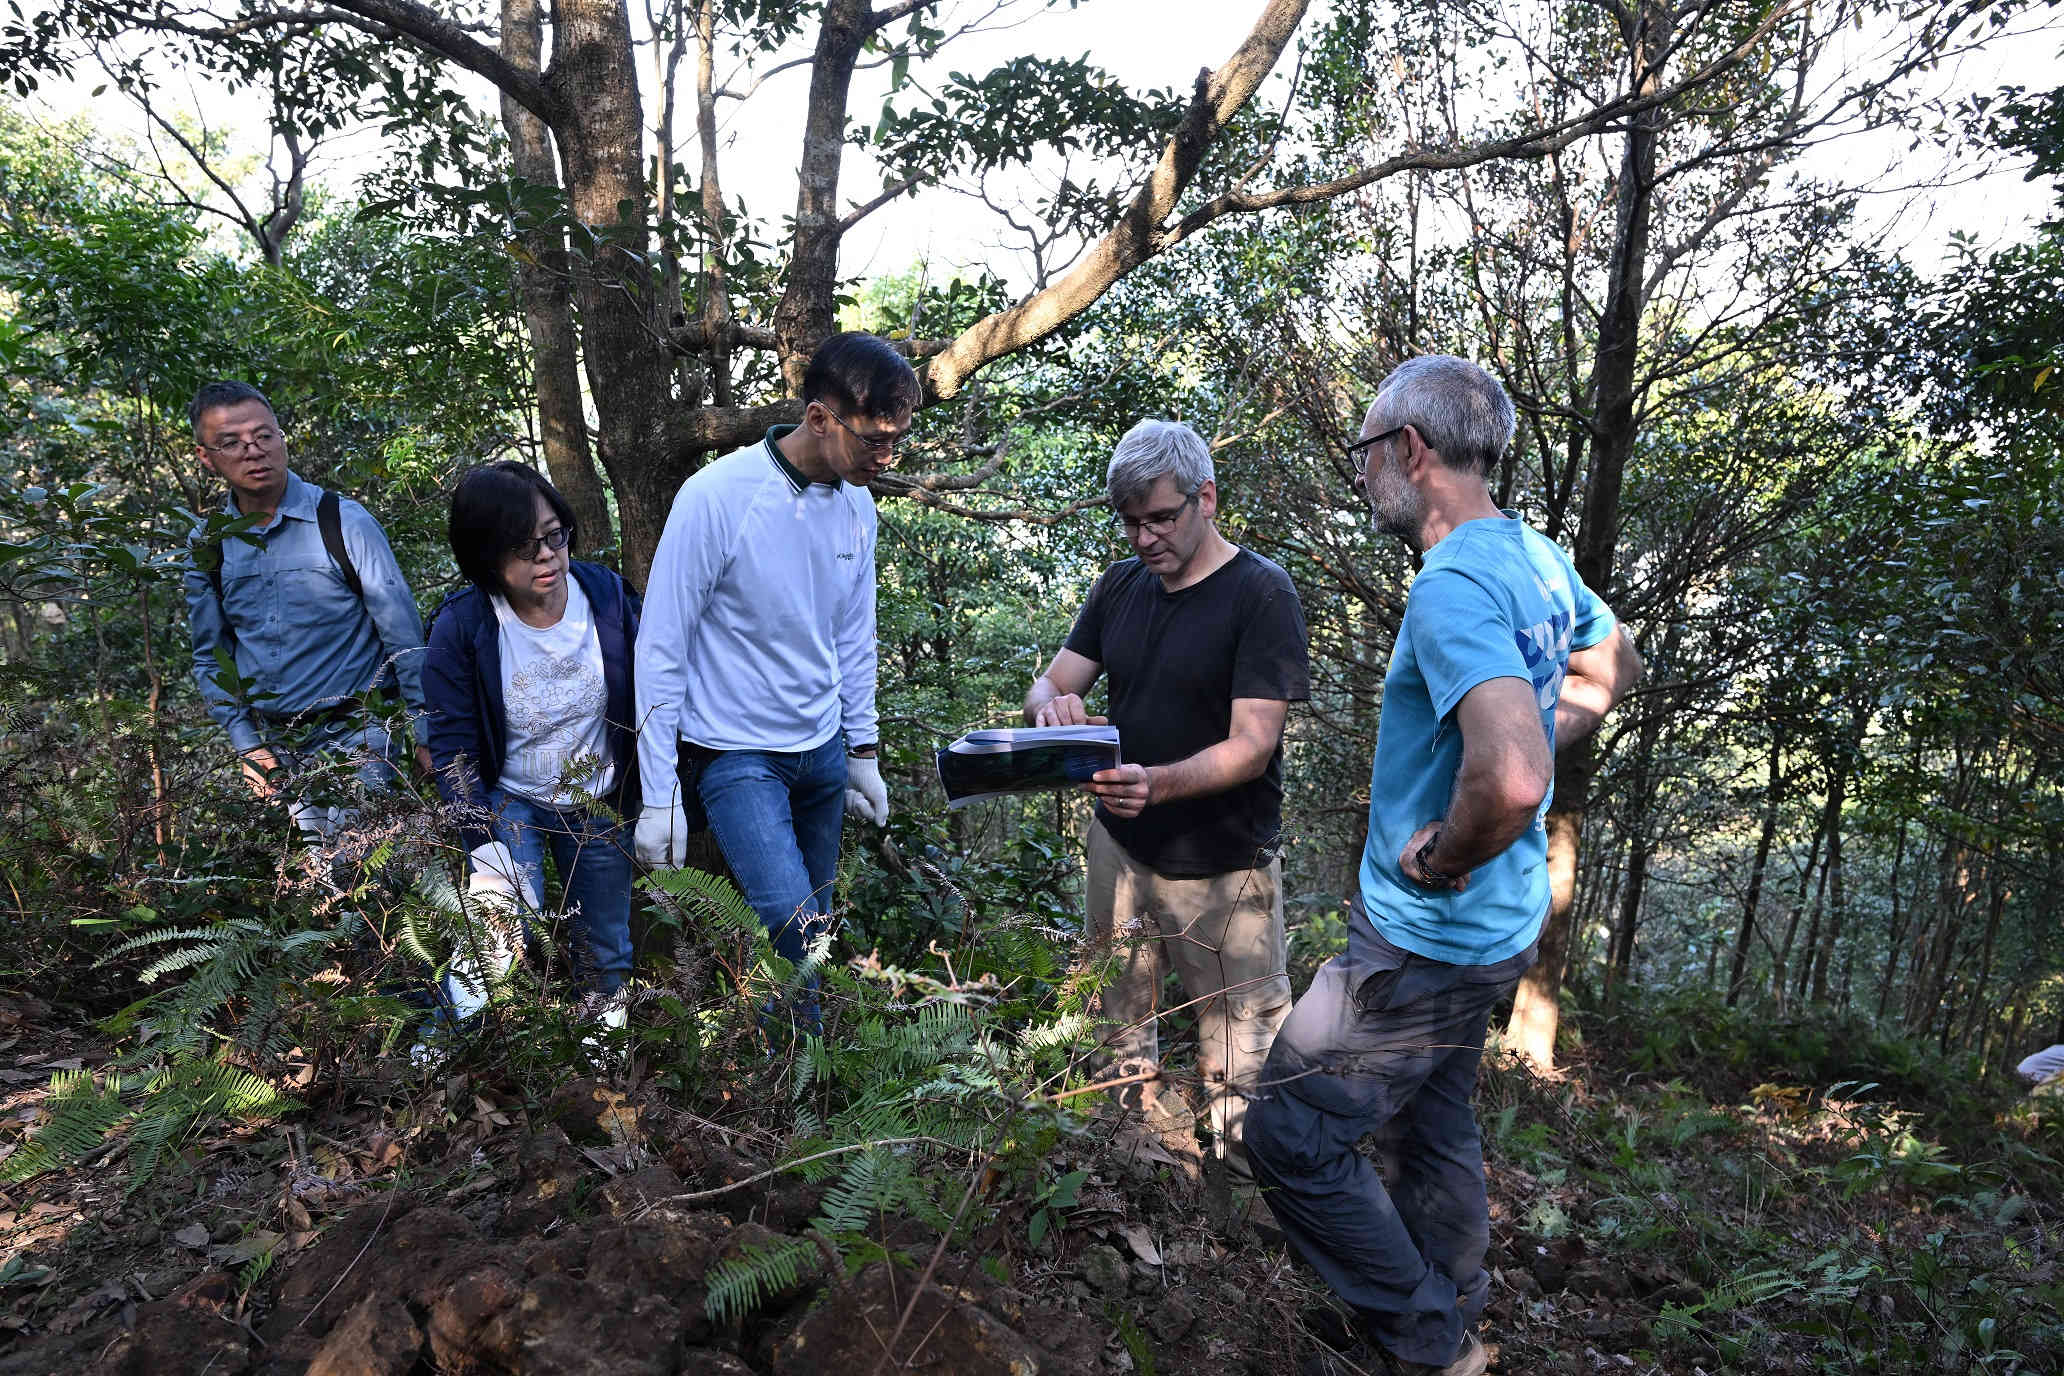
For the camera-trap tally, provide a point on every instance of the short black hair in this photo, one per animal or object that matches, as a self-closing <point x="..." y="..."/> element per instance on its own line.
<point x="493" y="510"/>
<point x="213" y="396"/>
<point x="860" y="374"/>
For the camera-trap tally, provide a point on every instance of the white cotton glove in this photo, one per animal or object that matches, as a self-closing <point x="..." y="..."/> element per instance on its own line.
<point x="661" y="838"/>
<point x="866" y="795"/>
<point x="493" y="877"/>
<point x="496" y="885"/>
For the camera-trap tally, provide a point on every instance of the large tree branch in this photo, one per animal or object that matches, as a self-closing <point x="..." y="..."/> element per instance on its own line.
<point x="431" y="31"/>
<point x="695" y="338"/>
<point x="1532" y="144"/>
<point x="1220" y="95"/>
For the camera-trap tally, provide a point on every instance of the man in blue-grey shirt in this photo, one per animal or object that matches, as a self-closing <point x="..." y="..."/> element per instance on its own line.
<point x="1503" y="657"/>
<point x="311" y="617"/>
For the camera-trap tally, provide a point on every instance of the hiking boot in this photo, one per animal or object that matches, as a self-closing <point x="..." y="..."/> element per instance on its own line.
<point x="1472" y="1360"/>
<point x="1366" y="1359"/>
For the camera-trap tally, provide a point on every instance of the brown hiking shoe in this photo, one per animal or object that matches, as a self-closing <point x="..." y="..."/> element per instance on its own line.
<point x="1365" y="1358"/>
<point x="1472" y="1360"/>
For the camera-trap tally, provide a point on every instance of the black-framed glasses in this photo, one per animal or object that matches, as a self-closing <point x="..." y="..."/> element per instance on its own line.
<point x="554" y="540"/>
<point x="263" y="438"/>
<point x="873" y="444"/>
<point x="1358" y="452"/>
<point x="1157" y="523"/>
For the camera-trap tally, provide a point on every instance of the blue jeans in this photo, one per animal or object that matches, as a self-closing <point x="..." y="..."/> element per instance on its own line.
<point x="1387" y="1042"/>
<point x="594" y="868"/>
<point x="776" y="816"/>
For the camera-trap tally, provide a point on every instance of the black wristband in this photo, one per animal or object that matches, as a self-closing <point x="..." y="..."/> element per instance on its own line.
<point x="1429" y="877"/>
<point x="866" y="751"/>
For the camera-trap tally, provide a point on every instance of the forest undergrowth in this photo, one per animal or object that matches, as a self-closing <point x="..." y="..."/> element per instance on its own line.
<point x="215" y="1125"/>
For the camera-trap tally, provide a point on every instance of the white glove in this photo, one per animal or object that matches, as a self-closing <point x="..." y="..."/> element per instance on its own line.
<point x="493" y="877"/>
<point x="661" y="838"/>
<point x="500" y="887"/>
<point x="866" y="795"/>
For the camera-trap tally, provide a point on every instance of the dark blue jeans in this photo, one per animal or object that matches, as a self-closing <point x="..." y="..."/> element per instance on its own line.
<point x="1387" y="1042"/>
<point x="776" y="817"/>
<point x="589" y="850"/>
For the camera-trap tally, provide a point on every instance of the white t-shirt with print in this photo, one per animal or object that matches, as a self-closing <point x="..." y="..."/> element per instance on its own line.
<point x="556" y="703"/>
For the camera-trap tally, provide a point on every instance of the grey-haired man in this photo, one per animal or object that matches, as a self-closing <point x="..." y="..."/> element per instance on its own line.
<point x="1503" y="657"/>
<point x="1205" y="647"/>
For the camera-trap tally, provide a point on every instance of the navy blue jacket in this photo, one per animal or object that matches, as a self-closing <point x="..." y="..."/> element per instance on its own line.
<point x="462" y="686"/>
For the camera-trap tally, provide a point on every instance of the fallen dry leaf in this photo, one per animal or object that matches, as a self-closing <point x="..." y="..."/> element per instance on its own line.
<point x="243" y="1249"/>
<point x="1141" y="1239"/>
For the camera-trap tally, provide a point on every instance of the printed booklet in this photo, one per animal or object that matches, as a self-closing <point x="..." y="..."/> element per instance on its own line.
<point x="1023" y="759"/>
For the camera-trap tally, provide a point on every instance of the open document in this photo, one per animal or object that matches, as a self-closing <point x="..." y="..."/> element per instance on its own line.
<point x="1024" y="759"/>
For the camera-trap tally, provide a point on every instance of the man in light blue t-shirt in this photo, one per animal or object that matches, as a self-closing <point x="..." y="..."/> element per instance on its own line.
<point x="1503" y="657"/>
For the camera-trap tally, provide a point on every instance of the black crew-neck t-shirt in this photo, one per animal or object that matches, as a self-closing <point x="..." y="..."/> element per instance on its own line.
<point x="1176" y="661"/>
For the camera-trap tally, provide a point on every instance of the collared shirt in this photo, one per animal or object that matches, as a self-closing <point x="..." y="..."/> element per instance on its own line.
<point x="758" y="631"/>
<point x="294" y="628"/>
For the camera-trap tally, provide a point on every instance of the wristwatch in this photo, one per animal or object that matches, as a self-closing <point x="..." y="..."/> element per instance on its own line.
<point x="1429" y="877"/>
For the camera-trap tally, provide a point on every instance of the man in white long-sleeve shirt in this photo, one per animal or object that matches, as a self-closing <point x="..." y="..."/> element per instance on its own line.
<point x="756" y="655"/>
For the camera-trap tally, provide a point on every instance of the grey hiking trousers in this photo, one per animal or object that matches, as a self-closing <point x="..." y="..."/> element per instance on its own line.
<point x="1384" y="1042"/>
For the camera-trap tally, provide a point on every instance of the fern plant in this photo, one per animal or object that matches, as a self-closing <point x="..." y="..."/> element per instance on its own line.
<point x="159" y="1110"/>
<point x="237" y="1008"/>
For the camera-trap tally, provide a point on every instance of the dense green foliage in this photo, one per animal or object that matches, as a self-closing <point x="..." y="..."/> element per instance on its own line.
<point x="1815" y="890"/>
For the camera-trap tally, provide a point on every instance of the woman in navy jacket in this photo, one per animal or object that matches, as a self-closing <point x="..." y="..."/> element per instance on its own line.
<point x="528" y="684"/>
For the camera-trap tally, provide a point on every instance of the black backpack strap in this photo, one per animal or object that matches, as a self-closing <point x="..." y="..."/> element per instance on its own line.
<point x="207" y="557"/>
<point x="329" y="517"/>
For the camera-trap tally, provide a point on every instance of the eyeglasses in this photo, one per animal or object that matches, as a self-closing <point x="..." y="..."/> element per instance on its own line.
<point x="873" y="444"/>
<point x="1358" y="452"/>
<point x="261" y="439"/>
<point x="554" y="539"/>
<point x="1159" y="523"/>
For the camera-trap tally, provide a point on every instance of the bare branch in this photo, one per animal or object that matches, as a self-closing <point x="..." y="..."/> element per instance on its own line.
<point x="1219" y="96"/>
<point x="888" y="193"/>
<point x="431" y="31"/>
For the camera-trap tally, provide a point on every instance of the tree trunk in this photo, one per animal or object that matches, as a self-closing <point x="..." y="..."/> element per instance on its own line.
<point x="1771" y="805"/>
<point x="806" y="315"/>
<point x="1782" y="969"/>
<point x="1898" y="932"/>
<point x="629" y="368"/>
<point x="1646" y="31"/>
<point x="541" y="282"/>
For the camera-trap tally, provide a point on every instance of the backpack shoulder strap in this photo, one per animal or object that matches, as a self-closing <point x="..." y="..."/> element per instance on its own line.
<point x="207" y="557"/>
<point x="329" y="518"/>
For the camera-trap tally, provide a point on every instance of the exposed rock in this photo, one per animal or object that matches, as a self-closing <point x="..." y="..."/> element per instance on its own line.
<point x="466" y="1307"/>
<point x="557" y="1327"/>
<point x="1104" y="1269"/>
<point x="549" y="1168"/>
<point x="377" y="1338"/>
<point x="628" y="1194"/>
<point x="1170" y="1316"/>
<point x="592" y="1113"/>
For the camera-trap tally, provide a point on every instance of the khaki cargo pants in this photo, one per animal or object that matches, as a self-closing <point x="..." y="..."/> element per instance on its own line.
<point x="1224" y="937"/>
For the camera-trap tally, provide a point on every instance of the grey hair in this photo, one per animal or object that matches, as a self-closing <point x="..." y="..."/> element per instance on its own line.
<point x="1458" y="409"/>
<point x="1156" y="449"/>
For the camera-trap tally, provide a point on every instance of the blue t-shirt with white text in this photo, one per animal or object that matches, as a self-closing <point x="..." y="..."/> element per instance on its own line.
<point x="1494" y="599"/>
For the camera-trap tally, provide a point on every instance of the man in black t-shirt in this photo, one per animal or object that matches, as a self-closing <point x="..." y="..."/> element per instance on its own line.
<point x="1205" y="647"/>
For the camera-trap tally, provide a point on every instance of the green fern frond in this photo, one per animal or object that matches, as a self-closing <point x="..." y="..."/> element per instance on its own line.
<point x="711" y="896"/>
<point x="84" y="1113"/>
<point x="740" y="1284"/>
